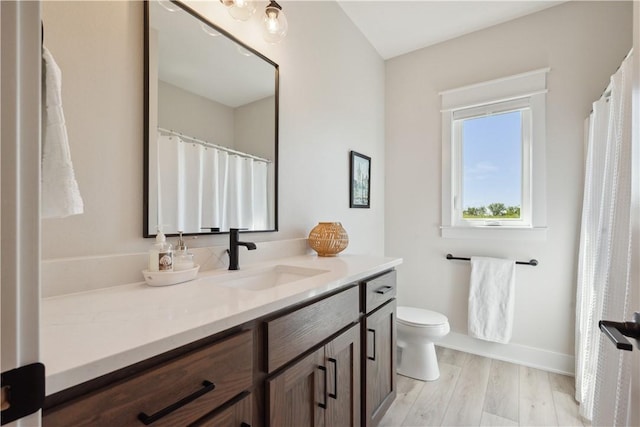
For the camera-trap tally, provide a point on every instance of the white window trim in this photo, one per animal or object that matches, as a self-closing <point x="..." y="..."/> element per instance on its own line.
<point x="531" y="85"/>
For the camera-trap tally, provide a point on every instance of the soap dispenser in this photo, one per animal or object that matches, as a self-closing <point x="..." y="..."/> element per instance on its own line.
<point x="182" y="259"/>
<point x="161" y="254"/>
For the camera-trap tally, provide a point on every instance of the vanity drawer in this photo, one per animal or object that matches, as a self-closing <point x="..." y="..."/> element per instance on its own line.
<point x="211" y="376"/>
<point x="379" y="290"/>
<point x="292" y="334"/>
<point x="236" y="414"/>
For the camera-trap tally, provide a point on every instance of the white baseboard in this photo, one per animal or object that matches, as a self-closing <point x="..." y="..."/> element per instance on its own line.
<point x="514" y="353"/>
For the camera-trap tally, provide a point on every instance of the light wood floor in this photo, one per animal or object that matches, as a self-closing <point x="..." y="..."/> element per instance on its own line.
<point x="478" y="391"/>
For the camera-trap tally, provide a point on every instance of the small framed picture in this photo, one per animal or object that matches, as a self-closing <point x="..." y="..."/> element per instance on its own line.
<point x="359" y="181"/>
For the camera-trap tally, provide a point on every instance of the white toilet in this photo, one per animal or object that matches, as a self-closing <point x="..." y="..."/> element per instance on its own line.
<point x="417" y="330"/>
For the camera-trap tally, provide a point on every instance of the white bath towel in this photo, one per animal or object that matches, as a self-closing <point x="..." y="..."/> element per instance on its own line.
<point x="491" y="298"/>
<point x="60" y="192"/>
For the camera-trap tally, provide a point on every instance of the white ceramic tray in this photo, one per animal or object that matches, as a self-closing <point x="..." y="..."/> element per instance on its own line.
<point x="166" y="278"/>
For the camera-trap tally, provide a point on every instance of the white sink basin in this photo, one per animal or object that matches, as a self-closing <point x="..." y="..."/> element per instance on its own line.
<point x="267" y="278"/>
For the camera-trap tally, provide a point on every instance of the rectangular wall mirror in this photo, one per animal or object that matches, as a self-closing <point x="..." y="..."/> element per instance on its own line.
<point x="211" y="127"/>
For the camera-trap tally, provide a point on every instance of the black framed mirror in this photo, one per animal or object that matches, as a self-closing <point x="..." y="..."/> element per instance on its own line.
<point x="210" y="127"/>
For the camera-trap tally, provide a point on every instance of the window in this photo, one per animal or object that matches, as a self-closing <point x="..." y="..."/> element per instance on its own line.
<point x="493" y="159"/>
<point x="491" y="145"/>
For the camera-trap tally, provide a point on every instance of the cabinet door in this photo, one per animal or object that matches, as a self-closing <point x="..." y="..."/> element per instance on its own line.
<point x="239" y="414"/>
<point x="380" y="362"/>
<point x="298" y="396"/>
<point x="342" y="359"/>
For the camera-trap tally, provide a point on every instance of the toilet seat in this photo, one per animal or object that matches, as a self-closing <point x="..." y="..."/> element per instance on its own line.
<point x="420" y="318"/>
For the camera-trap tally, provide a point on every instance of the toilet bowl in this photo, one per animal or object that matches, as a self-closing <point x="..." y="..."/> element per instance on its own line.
<point x="417" y="330"/>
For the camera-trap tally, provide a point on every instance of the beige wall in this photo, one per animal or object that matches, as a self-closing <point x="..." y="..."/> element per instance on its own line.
<point x="98" y="46"/>
<point x="248" y="128"/>
<point x="583" y="43"/>
<point x="195" y="115"/>
<point x="254" y="128"/>
<point x="331" y="101"/>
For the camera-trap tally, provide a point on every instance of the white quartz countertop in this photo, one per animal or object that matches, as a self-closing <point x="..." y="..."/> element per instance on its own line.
<point x="88" y="334"/>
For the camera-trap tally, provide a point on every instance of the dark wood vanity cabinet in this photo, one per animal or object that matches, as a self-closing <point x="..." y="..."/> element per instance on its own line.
<point x="173" y="393"/>
<point x="238" y="414"/>
<point x="379" y="347"/>
<point x="293" y="395"/>
<point x="351" y="380"/>
<point x="328" y="362"/>
<point x="322" y="389"/>
<point x="342" y="358"/>
<point x="291" y="334"/>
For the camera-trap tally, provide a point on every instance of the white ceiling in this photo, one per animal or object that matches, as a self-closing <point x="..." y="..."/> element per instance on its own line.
<point x="395" y="27"/>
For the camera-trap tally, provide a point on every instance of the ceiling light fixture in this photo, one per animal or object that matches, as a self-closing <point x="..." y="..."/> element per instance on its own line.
<point x="171" y="7"/>
<point x="207" y="29"/>
<point x="244" y="52"/>
<point x="275" y="24"/>
<point x="240" y="10"/>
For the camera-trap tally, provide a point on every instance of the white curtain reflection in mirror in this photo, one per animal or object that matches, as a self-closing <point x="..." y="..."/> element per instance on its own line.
<point x="205" y="187"/>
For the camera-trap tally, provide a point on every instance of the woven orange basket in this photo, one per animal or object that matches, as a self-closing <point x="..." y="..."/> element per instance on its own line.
<point x="328" y="238"/>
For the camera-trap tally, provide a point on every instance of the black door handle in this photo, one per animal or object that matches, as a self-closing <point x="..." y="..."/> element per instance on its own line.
<point x="383" y="290"/>
<point x="207" y="386"/>
<point x="616" y="331"/>
<point x="324" y="405"/>
<point x="374" y="345"/>
<point x="334" y="395"/>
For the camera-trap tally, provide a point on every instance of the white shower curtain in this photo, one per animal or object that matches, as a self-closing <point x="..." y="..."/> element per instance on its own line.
<point x="247" y="205"/>
<point x="602" y="371"/>
<point x="179" y="193"/>
<point x="203" y="187"/>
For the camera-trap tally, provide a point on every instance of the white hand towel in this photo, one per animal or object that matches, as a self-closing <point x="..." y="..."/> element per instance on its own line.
<point x="60" y="192"/>
<point x="491" y="298"/>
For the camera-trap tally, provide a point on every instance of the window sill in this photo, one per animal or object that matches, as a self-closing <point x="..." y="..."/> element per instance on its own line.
<point x="495" y="232"/>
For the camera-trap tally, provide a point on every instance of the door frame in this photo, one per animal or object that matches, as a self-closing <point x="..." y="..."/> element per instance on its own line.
<point x="634" y="414"/>
<point x="20" y="117"/>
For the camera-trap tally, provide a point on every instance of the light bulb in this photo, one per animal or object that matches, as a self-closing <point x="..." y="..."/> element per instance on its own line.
<point x="275" y="23"/>
<point x="242" y="10"/>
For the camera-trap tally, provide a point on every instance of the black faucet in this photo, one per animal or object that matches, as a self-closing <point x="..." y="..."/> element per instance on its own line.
<point x="233" y="247"/>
